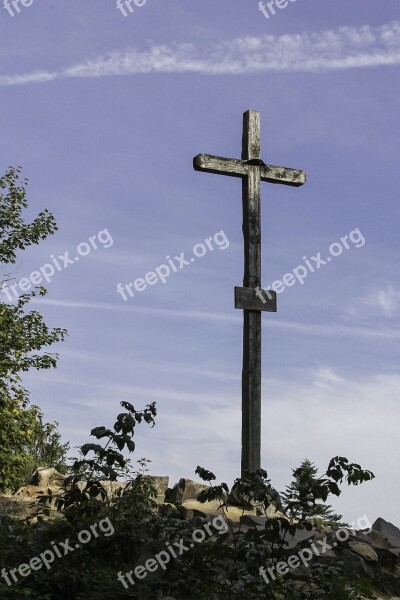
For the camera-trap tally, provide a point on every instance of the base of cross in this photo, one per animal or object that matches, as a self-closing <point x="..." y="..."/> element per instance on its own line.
<point x="255" y="299"/>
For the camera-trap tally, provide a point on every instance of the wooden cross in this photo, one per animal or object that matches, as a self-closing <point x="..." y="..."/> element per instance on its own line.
<point x="252" y="170"/>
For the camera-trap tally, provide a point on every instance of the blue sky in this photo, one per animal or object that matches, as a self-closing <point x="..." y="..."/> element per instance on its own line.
<point x="105" y="114"/>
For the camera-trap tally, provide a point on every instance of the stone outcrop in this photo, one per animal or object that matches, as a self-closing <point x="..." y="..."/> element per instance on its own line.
<point x="46" y="478"/>
<point x="160" y="483"/>
<point x="12" y="507"/>
<point x="44" y="481"/>
<point x="361" y="552"/>
<point x="184" y="495"/>
<point x="364" y="550"/>
<point x="185" y="489"/>
<point x="389" y="532"/>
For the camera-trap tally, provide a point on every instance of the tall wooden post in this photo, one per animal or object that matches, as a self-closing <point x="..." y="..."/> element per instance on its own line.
<point x="251" y="298"/>
<point x="251" y="372"/>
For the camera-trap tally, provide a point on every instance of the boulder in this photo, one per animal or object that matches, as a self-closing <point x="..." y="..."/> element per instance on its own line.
<point x="251" y="520"/>
<point x="274" y="513"/>
<point x="193" y="508"/>
<point x="185" y="489"/>
<point x="160" y="482"/>
<point x="35" y="491"/>
<point x="322" y="555"/>
<point x="46" y="478"/>
<point x="11" y="507"/>
<point x="363" y="550"/>
<point x="110" y="487"/>
<point x="377" y="540"/>
<point x="354" y="563"/>
<point x="301" y="535"/>
<point x="389" y="531"/>
<point x="22" y="506"/>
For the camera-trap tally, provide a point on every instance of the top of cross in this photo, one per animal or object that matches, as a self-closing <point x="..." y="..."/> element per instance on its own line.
<point x="250" y="158"/>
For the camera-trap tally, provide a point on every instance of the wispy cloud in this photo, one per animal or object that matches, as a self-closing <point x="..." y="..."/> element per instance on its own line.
<point x="342" y="48"/>
<point x="313" y="329"/>
<point x="380" y="303"/>
<point x="387" y="302"/>
<point x="160" y="312"/>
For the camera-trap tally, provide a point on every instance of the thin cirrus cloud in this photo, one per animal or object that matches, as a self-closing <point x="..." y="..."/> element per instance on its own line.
<point x="381" y="303"/>
<point x="306" y="328"/>
<point x="339" y="49"/>
<point x="385" y="301"/>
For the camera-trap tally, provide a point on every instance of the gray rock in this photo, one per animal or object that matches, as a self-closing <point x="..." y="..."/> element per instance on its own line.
<point x="364" y="550"/>
<point x="46" y="478"/>
<point x="299" y="536"/>
<point x="111" y="487"/>
<point x="325" y="557"/>
<point x="185" y="489"/>
<point x="378" y="540"/>
<point x="353" y="563"/>
<point x="35" y="491"/>
<point x="389" y="531"/>
<point x="160" y="482"/>
<point x="194" y="508"/>
<point x="251" y="520"/>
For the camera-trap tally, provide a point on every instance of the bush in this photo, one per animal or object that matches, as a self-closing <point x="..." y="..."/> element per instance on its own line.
<point x="225" y="565"/>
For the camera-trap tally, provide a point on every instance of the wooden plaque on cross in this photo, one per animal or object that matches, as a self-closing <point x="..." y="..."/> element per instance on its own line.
<point x="251" y="298"/>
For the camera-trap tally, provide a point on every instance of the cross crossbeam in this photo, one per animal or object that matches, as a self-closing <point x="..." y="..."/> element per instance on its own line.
<point x="252" y="170"/>
<point x="239" y="168"/>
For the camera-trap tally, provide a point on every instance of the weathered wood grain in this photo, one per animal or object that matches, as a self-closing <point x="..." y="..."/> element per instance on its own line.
<point x="251" y="138"/>
<point x="248" y="299"/>
<point x="251" y="372"/>
<point x="284" y="175"/>
<point x="232" y="167"/>
<point x="220" y="166"/>
<point x="252" y="170"/>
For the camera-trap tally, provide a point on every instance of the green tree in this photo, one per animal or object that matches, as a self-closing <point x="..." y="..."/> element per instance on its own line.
<point x="311" y="509"/>
<point x="47" y="449"/>
<point x="24" y="336"/>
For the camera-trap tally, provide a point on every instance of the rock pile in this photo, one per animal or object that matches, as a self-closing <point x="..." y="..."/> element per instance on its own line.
<point x="360" y="551"/>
